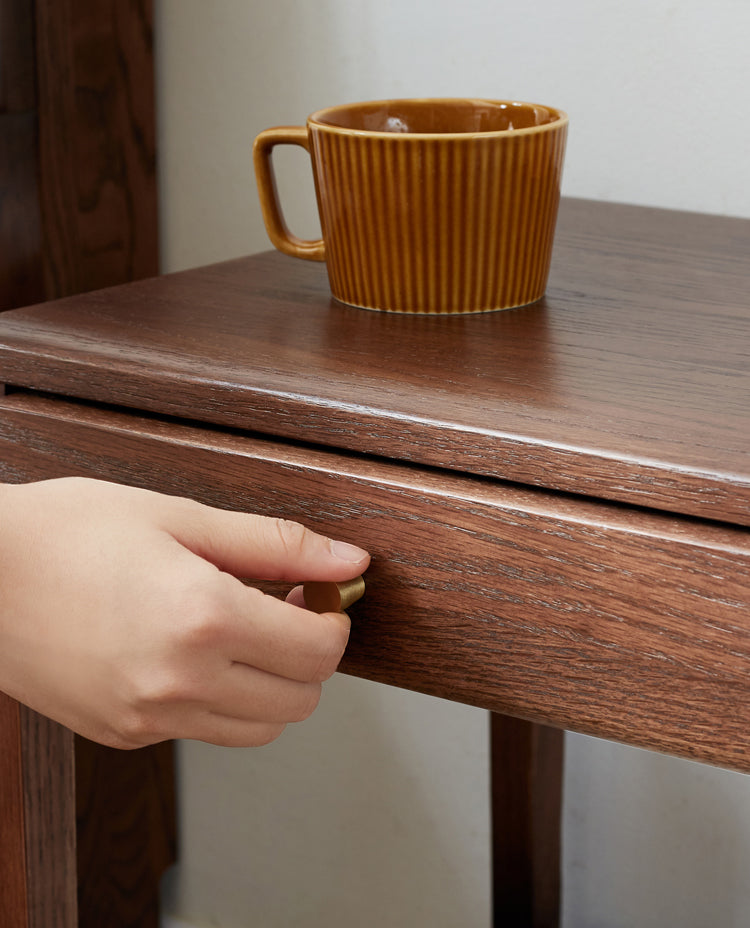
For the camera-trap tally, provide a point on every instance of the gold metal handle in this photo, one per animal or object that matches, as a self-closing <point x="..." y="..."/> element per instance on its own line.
<point x="325" y="596"/>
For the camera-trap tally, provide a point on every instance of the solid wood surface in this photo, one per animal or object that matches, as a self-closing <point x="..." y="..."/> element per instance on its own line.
<point x="125" y="806"/>
<point x="13" y="907"/>
<point x="527" y="770"/>
<point x="78" y="211"/>
<point x="21" y="279"/>
<point x="49" y="810"/>
<point x="37" y="811"/>
<point x="593" y="617"/>
<point x="77" y="147"/>
<point x="628" y="382"/>
<point x="97" y="152"/>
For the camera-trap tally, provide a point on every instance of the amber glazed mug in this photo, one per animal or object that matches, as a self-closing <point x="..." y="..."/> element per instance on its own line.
<point x="427" y="205"/>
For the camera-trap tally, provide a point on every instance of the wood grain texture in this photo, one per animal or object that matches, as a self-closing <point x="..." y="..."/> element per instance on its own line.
<point x="49" y="809"/>
<point x="126" y="834"/>
<point x="602" y="619"/>
<point x="37" y="809"/>
<point x="629" y="381"/>
<point x="97" y="158"/>
<point x="13" y="886"/>
<point x="77" y="212"/>
<point x="77" y="147"/>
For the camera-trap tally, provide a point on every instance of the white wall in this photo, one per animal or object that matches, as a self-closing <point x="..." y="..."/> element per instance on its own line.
<point x="374" y="812"/>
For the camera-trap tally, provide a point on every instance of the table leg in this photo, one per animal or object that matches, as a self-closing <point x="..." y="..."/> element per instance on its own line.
<point x="37" y="807"/>
<point x="13" y="907"/>
<point x="126" y="828"/>
<point x="87" y="831"/>
<point x="527" y="766"/>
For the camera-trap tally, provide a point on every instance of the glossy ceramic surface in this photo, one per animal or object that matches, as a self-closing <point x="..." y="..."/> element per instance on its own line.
<point x="436" y="116"/>
<point x="428" y="205"/>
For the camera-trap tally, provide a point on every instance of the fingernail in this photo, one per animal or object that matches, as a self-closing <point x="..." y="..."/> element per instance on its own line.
<point x="348" y="552"/>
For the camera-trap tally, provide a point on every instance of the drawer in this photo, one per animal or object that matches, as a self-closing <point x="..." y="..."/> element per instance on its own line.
<point x="626" y="624"/>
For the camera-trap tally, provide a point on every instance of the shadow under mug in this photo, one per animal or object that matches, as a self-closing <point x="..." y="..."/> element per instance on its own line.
<point x="427" y="205"/>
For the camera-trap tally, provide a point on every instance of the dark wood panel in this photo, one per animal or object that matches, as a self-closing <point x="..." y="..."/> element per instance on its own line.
<point x="13" y="887"/>
<point x="20" y="224"/>
<point x="629" y="381"/>
<point x="126" y="834"/>
<point x="527" y="772"/>
<point x="614" y="622"/>
<point x="49" y="809"/>
<point x="21" y="280"/>
<point x="78" y="211"/>
<point x="78" y="206"/>
<point x="17" y="59"/>
<point x="37" y="809"/>
<point x="97" y="159"/>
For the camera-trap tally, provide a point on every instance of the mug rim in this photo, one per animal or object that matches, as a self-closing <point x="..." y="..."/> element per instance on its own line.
<point x="317" y="119"/>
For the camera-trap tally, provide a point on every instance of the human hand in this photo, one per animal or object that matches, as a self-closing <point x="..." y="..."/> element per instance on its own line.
<point x="122" y="615"/>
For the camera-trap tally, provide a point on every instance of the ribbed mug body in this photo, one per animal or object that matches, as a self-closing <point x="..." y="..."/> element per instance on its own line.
<point x="438" y="223"/>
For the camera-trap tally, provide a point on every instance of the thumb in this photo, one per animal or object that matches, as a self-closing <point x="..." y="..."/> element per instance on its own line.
<point x="252" y="546"/>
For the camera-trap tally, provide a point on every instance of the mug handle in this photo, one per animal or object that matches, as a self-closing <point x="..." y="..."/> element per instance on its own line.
<point x="273" y="217"/>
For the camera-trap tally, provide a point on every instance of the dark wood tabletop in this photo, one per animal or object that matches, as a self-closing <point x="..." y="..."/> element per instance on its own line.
<point x="629" y="381"/>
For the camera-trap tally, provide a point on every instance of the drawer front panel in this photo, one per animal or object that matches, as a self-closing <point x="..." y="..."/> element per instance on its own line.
<point x="601" y="619"/>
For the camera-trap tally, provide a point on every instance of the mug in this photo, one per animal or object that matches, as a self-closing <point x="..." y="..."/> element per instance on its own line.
<point x="427" y="205"/>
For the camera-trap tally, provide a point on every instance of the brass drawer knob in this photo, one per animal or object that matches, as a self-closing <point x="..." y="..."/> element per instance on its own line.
<point x="325" y="596"/>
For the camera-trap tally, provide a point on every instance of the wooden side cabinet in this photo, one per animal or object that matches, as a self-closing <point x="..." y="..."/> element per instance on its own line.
<point x="556" y="498"/>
